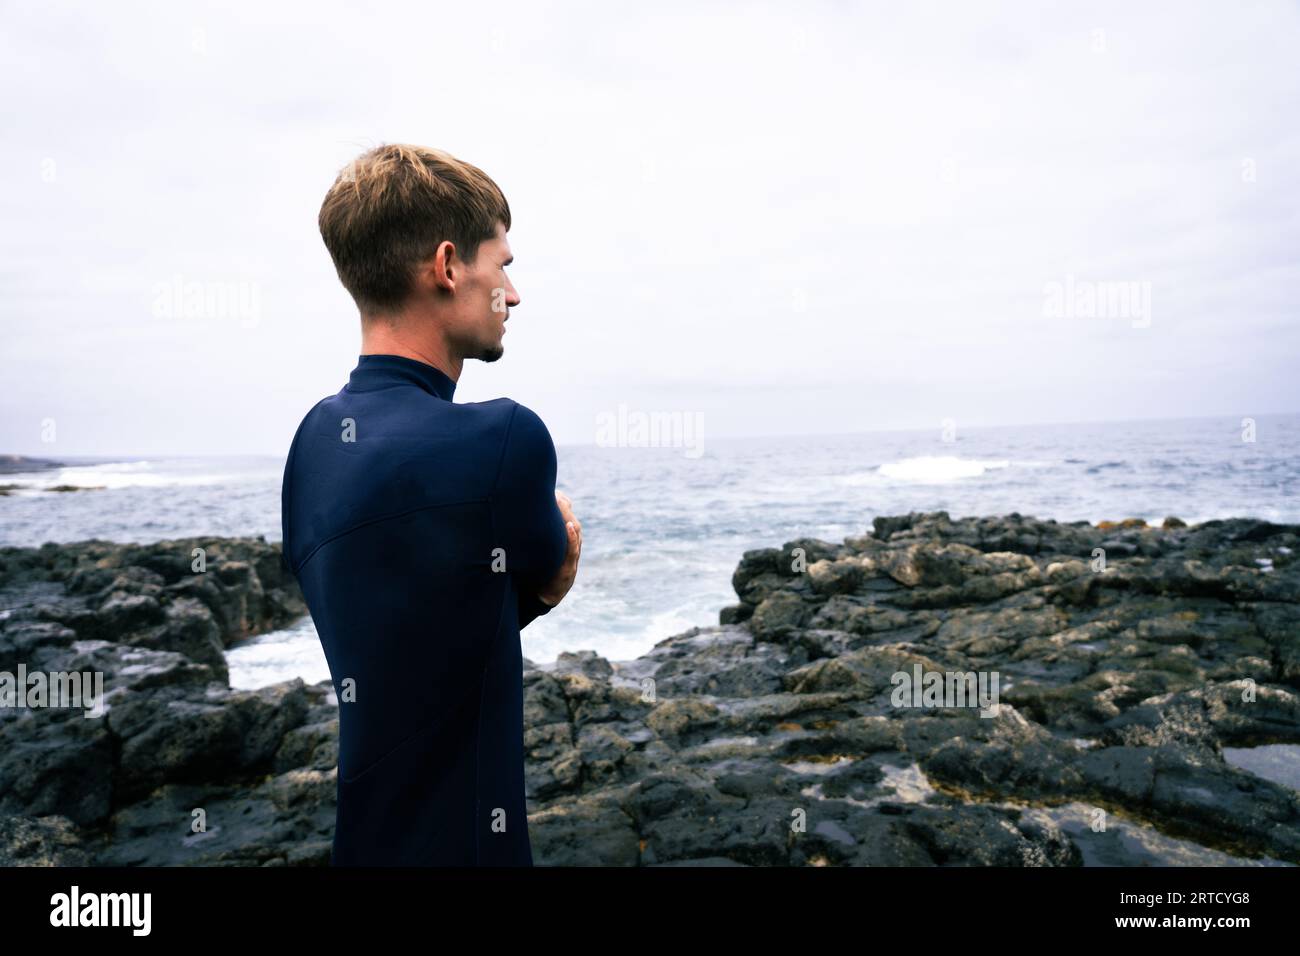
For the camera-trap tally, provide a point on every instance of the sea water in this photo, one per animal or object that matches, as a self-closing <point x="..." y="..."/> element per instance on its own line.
<point x="664" y="527"/>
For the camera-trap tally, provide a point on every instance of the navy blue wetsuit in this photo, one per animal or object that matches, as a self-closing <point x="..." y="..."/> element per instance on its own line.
<point x="420" y="531"/>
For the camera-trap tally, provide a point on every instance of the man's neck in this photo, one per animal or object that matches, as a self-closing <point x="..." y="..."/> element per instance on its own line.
<point x="380" y="338"/>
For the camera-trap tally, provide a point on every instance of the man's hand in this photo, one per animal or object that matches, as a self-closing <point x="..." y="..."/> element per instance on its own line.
<point x="554" y="591"/>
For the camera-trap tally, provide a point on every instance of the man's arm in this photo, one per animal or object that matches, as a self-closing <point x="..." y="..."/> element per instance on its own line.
<point x="530" y="526"/>
<point x="558" y="586"/>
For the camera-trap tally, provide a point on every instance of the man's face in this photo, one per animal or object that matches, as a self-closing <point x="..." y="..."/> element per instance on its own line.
<point x="484" y="297"/>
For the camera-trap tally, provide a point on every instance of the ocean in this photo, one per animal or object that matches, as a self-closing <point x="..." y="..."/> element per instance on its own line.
<point x="663" y="527"/>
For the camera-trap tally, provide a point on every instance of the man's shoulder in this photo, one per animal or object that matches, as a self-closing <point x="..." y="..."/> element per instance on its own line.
<point x="527" y="431"/>
<point x="499" y="433"/>
<point x="523" y="420"/>
<point x="310" y="414"/>
<point x="519" y="424"/>
<point x="527" y="452"/>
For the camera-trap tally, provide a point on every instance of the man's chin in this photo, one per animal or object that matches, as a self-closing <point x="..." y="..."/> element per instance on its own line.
<point x="492" y="354"/>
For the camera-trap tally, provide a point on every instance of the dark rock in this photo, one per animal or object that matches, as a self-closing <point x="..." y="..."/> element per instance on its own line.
<point x="774" y="738"/>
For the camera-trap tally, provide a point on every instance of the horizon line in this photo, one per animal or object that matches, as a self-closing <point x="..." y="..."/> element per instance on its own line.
<point x="121" y="456"/>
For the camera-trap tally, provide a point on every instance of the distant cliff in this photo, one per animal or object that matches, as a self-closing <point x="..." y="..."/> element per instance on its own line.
<point x="11" y="464"/>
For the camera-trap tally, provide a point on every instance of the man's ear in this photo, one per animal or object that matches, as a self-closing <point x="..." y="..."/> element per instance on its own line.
<point x="441" y="270"/>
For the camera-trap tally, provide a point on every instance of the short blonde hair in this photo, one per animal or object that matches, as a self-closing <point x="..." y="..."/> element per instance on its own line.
<point x="389" y="209"/>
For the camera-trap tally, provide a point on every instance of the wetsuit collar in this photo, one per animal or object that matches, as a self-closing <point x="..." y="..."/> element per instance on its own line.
<point x="375" y="371"/>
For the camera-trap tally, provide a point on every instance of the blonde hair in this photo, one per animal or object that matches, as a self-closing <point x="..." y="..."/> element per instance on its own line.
<point x="389" y="209"/>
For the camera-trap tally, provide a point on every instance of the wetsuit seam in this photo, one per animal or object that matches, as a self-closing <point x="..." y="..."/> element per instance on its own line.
<point x="501" y="458"/>
<point x="388" y="517"/>
<point x="398" y="746"/>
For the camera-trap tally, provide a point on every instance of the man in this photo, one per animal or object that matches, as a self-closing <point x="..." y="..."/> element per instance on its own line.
<point x="425" y="534"/>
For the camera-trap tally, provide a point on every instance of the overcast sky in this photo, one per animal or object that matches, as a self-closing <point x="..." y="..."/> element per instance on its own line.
<point x="783" y="218"/>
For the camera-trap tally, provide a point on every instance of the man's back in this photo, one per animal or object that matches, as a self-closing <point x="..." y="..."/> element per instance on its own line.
<point x="420" y="530"/>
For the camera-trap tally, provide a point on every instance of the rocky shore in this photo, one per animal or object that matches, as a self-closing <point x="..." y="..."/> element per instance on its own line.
<point x="1139" y="672"/>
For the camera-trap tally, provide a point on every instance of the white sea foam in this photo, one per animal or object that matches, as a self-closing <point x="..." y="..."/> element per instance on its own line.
<point x="278" y="656"/>
<point x="133" y="474"/>
<point x="670" y="623"/>
<point x="927" y="470"/>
